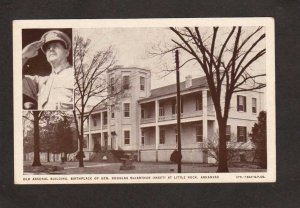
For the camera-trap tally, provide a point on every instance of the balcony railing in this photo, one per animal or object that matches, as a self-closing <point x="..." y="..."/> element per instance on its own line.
<point x="191" y="114"/>
<point x="167" y="117"/>
<point x="98" y="127"/>
<point x="147" y="120"/>
<point x="183" y="115"/>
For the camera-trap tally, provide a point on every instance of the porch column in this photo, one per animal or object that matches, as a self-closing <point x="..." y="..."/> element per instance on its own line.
<point x="108" y="128"/>
<point x="139" y="142"/>
<point x="205" y="109"/>
<point x="139" y="132"/>
<point x="102" y="140"/>
<point x="156" y="128"/>
<point x="90" y="147"/>
<point x="101" y="121"/>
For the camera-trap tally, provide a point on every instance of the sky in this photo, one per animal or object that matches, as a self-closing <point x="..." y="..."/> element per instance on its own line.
<point x="132" y="46"/>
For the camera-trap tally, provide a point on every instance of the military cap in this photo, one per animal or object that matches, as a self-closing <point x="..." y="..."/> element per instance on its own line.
<point x="56" y="35"/>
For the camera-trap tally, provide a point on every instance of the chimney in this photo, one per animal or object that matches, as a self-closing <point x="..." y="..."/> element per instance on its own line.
<point x="188" y="81"/>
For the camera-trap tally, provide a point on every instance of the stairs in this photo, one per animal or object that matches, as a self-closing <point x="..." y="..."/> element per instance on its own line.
<point x="109" y="156"/>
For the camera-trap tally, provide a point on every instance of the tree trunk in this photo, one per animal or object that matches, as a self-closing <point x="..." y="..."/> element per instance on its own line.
<point x="80" y="137"/>
<point x="81" y="149"/>
<point x="36" y="158"/>
<point x="222" y="166"/>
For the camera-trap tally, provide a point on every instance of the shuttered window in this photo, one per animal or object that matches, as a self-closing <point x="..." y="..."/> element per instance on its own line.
<point x="241" y="103"/>
<point x="126" y="137"/>
<point x="126" y="82"/>
<point x="242" y="134"/>
<point x="126" y="109"/>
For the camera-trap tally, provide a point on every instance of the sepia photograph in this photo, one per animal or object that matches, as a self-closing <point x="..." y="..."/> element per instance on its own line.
<point x="48" y="75"/>
<point x="145" y="101"/>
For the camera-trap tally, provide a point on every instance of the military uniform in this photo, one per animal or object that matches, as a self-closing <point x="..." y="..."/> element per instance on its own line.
<point x="53" y="92"/>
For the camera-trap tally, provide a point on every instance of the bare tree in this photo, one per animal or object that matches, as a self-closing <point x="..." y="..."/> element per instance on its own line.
<point x="91" y="86"/>
<point x="225" y="55"/>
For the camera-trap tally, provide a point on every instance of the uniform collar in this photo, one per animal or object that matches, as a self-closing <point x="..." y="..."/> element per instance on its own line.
<point x="60" y="69"/>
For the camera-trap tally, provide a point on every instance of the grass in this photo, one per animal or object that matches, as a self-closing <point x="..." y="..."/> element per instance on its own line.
<point x="140" y="167"/>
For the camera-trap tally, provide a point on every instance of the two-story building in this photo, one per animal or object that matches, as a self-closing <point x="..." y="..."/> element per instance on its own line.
<point x="143" y="120"/>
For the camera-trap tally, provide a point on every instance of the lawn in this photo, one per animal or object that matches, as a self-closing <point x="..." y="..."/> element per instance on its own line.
<point x="140" y="167"/>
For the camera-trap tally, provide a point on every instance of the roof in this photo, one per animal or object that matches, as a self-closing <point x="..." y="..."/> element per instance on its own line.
<point x="171" y="89"/>
<point x="117" y="67"/>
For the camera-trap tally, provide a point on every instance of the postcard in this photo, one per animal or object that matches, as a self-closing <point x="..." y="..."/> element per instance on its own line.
<point x="144" y="101"/>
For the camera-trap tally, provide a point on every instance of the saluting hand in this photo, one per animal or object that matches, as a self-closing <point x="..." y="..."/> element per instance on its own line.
<point x="31" y="50"/>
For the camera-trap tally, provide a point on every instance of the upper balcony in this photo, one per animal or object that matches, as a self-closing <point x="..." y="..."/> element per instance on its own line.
<point x="96" y="121"/>
<point x="192" y="106"/>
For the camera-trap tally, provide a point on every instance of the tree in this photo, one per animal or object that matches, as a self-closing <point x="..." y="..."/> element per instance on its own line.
<point x="225" y="58"/>
<point x="212" y="145"/>
<point x="56" y="133"/>
<point x="259" y="137"/>
<point x="51" y="133"/>
<point x="64" y="137"/>
<point x="91" y="86"/>
<point x="36" y="134"/>
<point x="28" y="142"/>
<point x="47" y="133"/>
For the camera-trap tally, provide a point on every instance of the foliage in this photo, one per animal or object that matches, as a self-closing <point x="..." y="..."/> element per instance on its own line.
<point x="259" y="137"/>
<point x="55" y="134"/>
<point x="64" y="137"/>
<point x="212" y="146"/>
<point x="28" y="141"/>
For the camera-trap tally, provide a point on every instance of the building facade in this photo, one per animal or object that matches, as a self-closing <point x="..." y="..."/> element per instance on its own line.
<point x="143" y="121"/>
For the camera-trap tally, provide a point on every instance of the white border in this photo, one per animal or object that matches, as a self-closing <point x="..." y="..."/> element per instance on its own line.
<point x="258" y="177"/>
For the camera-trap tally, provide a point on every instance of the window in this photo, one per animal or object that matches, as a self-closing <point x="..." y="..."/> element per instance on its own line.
<point x="126" y="137"/>
<point x="242" y="133"/>
<point x="126" y="82"/>
<point x="199" y="133"/>
<point x="199" y="102"/>
<point x="161" y="111"/>
<point x="143" y="138"/>
<point x="228" y="133"/>
<point x="126" y="109"/>
<point x="241" y="103"/>
<point x="253" y="105"/>
<point x="112" y="110"/>
<point x="142" y="83"/>
<point x="142" y="113"/>
<point x="112" y="84"/>
<point x="162" y="136"/>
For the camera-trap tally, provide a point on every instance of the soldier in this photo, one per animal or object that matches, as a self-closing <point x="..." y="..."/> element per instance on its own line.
<point x="53" y="92"/>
